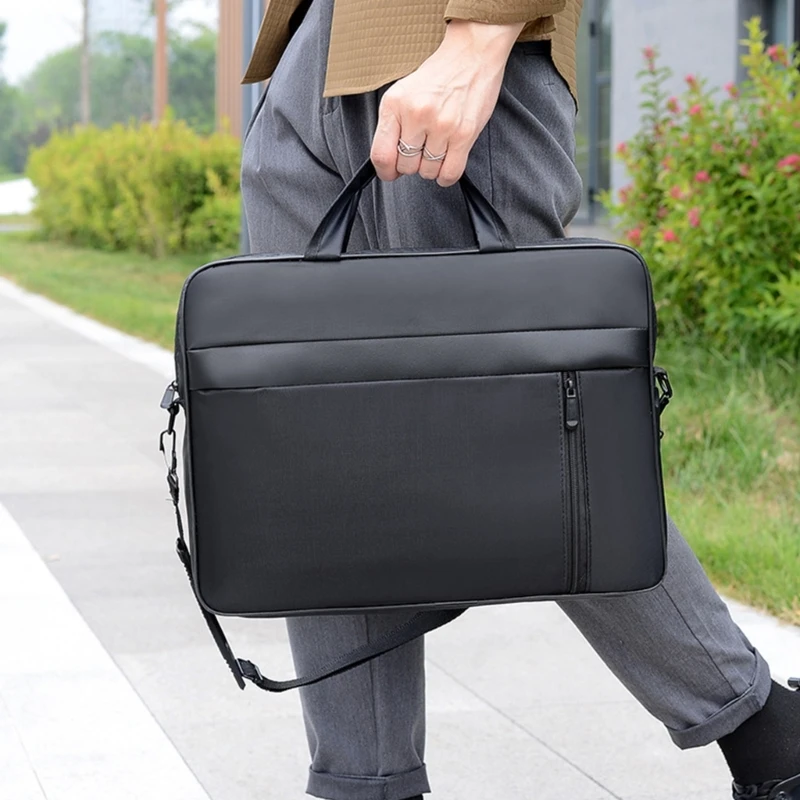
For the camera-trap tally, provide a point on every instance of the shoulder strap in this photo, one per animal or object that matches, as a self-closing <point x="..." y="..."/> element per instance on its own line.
<point x="242" y="670"/>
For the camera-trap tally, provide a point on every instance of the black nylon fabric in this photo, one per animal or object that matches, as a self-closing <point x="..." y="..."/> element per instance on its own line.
<point x="389" y="431"/>
<point x="428" y="430"/>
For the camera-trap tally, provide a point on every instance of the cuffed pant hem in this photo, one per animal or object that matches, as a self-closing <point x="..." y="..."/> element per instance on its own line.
<point x="353" y="787"/>
<point x="731" y="716"/>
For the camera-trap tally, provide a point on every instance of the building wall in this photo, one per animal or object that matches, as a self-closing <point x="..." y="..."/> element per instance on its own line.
<point x="693" y="36"/>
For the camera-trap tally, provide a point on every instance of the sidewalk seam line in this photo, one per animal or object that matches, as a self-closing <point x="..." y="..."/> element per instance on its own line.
<point x="525" y="730"/>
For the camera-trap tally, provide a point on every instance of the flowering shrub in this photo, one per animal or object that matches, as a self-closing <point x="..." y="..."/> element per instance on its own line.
<point x="159" y="189"/>
<point x="714" y="200"/>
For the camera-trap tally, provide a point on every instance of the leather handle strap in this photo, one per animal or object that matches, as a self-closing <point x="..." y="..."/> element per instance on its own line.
<point x="330" y="238"/>
<point x="240" y="668"/>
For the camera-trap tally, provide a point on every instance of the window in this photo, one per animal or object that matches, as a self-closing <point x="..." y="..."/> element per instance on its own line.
<point x="780" y="17"/>
<point x="593" y="155"/>
<point x="779" y="20"/>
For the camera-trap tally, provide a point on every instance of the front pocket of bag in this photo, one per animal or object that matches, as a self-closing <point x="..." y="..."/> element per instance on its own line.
<point x="379" y="493"/>
<point x="624" y="508"/>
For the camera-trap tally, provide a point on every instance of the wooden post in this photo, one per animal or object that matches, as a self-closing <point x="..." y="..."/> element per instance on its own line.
<point x="86" y="102"/>
<point x="161" y="63"/>
<point x="229" y="65"/>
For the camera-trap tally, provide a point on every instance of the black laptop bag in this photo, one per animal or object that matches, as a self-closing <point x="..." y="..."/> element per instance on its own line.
<point x="416" y="430"/>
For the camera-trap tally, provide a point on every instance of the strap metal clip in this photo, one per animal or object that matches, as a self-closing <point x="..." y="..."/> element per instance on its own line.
<point x="665" y="388"/>
<point x="250" y="670"/>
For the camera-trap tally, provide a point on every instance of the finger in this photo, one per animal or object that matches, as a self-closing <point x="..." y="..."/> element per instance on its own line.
<point x="384" y="145"/>
<point x="453" y="166"/>
<point x="455" y="162"/>
<point x="430" y="166"/>
<point x="413" y="139"/>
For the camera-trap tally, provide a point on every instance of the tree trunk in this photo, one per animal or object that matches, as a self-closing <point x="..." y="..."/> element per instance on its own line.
<point x="161" y="65"/>
<point x="86" y="102"/>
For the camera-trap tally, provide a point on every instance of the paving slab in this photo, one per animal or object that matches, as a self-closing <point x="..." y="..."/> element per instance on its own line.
<point x="519" y="705"/>
<point x="71" y="725"/>
<point x="618" y="744"/>
<point x="18" y="775"/>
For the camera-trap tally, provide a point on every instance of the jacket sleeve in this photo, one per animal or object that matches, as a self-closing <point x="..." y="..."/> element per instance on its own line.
<point x="503" y="12"/>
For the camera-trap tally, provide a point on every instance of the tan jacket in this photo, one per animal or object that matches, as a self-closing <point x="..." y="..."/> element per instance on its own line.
<point x="374" y="42"/>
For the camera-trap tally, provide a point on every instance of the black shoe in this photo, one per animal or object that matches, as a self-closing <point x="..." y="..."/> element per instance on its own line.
<point x="774" y="790"/>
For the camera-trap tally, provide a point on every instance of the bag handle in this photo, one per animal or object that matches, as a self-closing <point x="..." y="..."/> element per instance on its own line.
<point x="242" y="669"/>
<point x="333" y="233"/>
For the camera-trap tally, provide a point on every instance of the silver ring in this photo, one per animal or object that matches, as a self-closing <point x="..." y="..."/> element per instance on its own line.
<point x="428" y="156"/>
<point x="408" y="150"/>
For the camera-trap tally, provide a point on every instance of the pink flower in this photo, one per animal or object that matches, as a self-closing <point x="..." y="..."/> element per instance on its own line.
<point x="673" y="105"/>
<point x="634" y="236"/>
<point x="777" y="52"/>
<point x="790" y="164"/>
<point x="625" y="193"/>
<point x="669" y="235"/>
<point x="622" y="149"/>
<point x="744" y="170"/>
<point x="732" y="89"/>
<point x="662" y="212"/>
<point x="717" y="148"/>
<point x="702" y="177"/>
<point x="696" y="110"/>
<point x="754" y="142"/>
<point x="676" y="193"/>
<point x="649" y="54"/>
<point x="694" y="217"/>
<point x="692" y="81"/>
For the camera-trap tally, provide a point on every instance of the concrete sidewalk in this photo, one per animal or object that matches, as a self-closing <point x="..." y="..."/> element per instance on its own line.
<point x="519" y="705"/>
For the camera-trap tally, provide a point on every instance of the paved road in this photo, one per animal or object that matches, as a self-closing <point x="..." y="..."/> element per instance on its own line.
<point x="519" y="706"/>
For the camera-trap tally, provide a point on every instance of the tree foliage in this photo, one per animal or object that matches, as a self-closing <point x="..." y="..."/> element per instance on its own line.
<point x="121" y="88"/>
<point x="12" y="120"/>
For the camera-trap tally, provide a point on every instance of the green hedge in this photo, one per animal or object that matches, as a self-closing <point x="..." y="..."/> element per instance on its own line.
<point x="156" y="189"/>
<point x="714" y="201"/>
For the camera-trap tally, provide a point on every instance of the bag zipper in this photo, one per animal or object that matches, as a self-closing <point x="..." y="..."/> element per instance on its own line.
<point x="577" y="515"/>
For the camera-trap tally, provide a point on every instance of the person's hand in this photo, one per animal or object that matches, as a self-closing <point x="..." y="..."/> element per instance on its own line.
<point x="444" y="105"/>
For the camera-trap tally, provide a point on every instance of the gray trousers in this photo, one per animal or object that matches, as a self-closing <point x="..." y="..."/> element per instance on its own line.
<point x="676" y="648"/>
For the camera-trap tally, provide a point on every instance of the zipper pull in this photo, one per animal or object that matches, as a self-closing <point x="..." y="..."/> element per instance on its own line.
<point x="168" y="399"/>
<point x="571" y="394"/>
